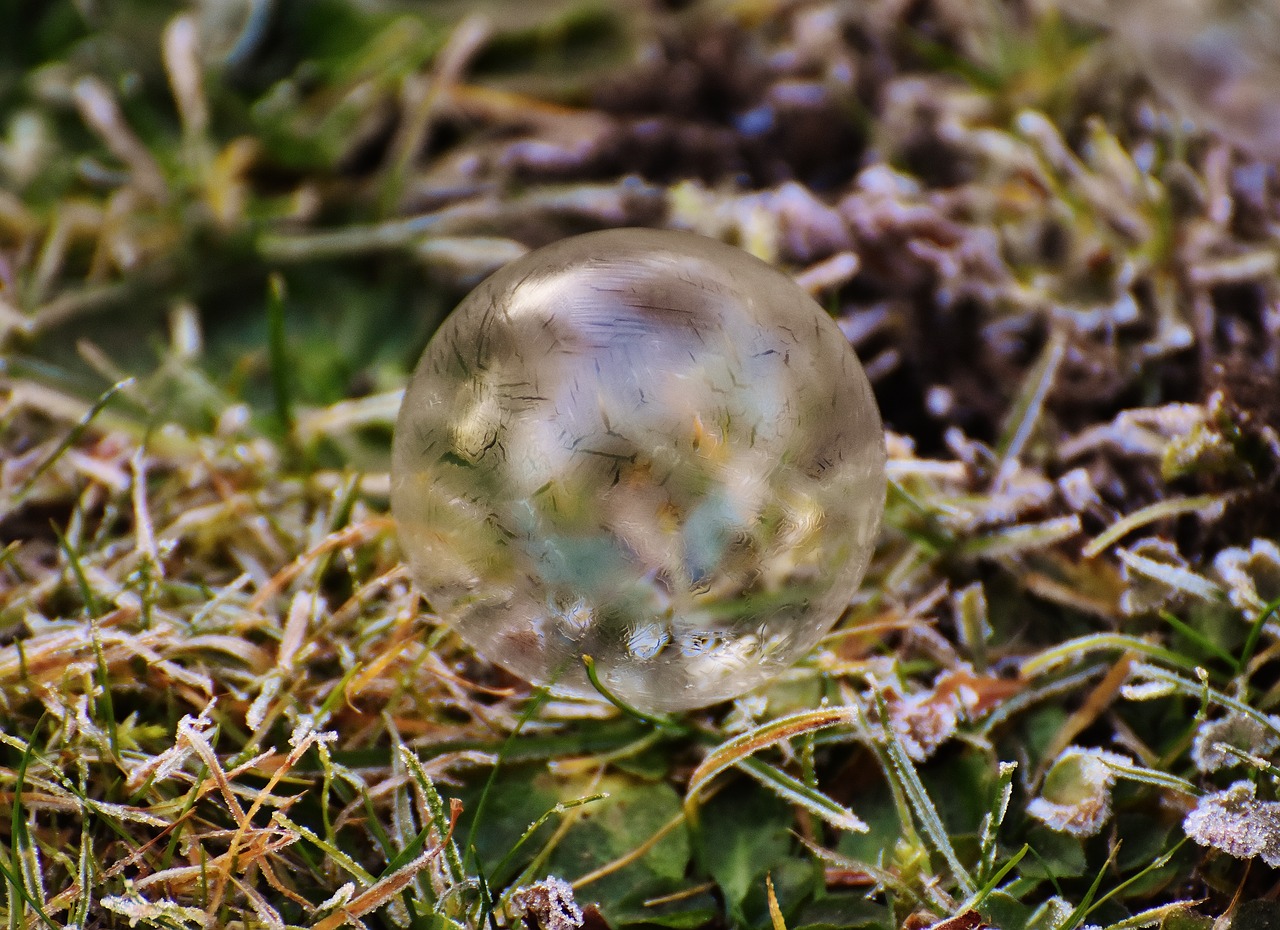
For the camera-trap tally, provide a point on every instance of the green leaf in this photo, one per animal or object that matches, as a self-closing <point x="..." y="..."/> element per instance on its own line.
<point x="1256" y="915"/>
<point x="662" y="905"/>
<point x="843" y="909"/>
<point x="1002" y="910"/>
<point x="1055" y="855"/>
<point x="747" y="834"/>
<point x="614" y="826"/>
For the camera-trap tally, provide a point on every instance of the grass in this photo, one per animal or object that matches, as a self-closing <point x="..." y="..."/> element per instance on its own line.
<point x="223" y="244"/>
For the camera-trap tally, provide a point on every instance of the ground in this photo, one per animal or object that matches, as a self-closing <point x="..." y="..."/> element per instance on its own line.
<point x="227" y="232"/>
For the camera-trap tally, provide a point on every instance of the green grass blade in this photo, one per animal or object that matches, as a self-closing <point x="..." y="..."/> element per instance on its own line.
<point x="1027" y="408"/>
<point x="1255" y="631"/>
<point x="1077" y="916"/>
<point x="994" y="881"/>
<point x="1159" y="863"/>
<point x="993" y="819"/>
<point x="72" y="437"/>
<point x="1203" y="642"/>
<point x="733" y="751"/>
<point x="439" y="817"/>
<point x="925" y="810"/>
<point x="278" y="350"/>
<point x="797" y="792"/>
<point x="663" y="723"/>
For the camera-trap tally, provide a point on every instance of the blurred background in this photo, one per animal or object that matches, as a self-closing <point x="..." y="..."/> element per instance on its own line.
<point x="948" y="177"/>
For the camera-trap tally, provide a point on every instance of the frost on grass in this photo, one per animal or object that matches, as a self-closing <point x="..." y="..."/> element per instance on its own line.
<point x="951" y="272"/>
<point x="547" y="905"/>
<point x="154" y="913"/>
<point x="1150" y="569"/>
<point x="1238" y="824"/>
<point x="1252" y="576"/>
<point x="924" y="722"/>
<point x="1246" y="734"/>
<point x="1076" y="797"/>
<point x="162" y="766"/>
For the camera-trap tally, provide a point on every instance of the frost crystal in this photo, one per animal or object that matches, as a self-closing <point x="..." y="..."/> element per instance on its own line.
<point x="1238" y="824"/>
<point x="1076" y="797"/>
<point x="1244" y="733"/>
<point x="1149" y="591"/>
<point x="1252" y="575"/>
<point x="924" y="722"/>
<point x="548" y="905"/>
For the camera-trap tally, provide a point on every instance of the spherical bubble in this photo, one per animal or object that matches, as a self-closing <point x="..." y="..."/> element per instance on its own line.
<point x="647" y="447"/>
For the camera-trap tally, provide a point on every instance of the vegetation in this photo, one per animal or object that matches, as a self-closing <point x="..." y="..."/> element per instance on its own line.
<point x="226" y="233"/>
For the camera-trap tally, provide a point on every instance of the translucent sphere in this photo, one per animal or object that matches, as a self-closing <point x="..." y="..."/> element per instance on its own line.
<point x="643" y="446"/>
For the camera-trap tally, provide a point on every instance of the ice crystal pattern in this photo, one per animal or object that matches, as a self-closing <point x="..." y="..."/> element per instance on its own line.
<point x="1237" y="823"/>
<point x="647" y="447"/>
<point x="1076" y="796"/>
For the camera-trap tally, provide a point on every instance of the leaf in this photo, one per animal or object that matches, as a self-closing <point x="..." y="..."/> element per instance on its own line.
<point x="616" y="825"/>
<point x="1076" y="796"/>
<point x="1236" y="823"/>
<point x="1256" y="915"/>
<point x="748" y="834"/>
<point x="516" y="797"/>
<point x="1053" y="855"/>
<point x="1210" y="752"/>
<point x="680" y="911"/>
<point x="841" y="910"/>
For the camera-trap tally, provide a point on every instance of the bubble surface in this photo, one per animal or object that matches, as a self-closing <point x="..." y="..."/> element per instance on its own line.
<point x="644" y="446"/>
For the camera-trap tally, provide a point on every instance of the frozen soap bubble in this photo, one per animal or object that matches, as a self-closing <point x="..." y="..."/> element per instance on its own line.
<point x="647" y="447"/>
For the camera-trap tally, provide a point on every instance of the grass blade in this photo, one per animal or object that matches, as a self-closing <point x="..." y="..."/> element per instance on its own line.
<point x="926" y="812"/>
<point x="797" y="792"/>
<point x="278" y="350"/>
<point x="72" y="437"/>
<point x="1160" y="510"/>
<point x="992" y="820"/>
<point x="1202" y="691"/>
<point x="1035" y="388"/>
<point x="741" y="747"/>
<point x="536" y="700"/>
<point x="1073" y="649"/>
<point x="439" y="819"/>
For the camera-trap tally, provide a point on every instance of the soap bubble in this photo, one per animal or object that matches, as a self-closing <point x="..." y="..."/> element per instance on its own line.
<point x="643" y="446"/>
